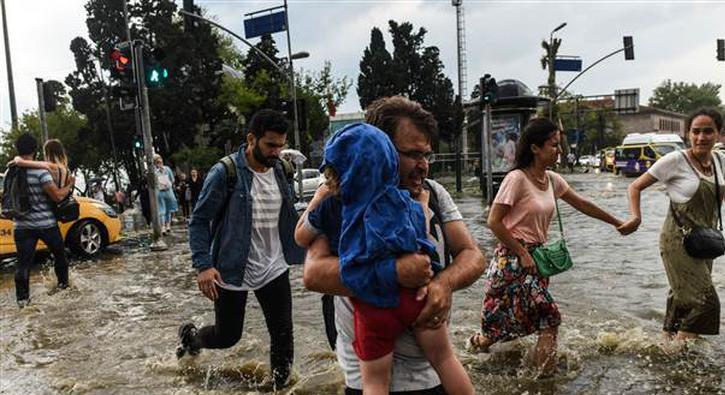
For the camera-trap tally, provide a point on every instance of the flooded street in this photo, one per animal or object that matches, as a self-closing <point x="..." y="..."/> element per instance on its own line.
<point x="114" y="330"/>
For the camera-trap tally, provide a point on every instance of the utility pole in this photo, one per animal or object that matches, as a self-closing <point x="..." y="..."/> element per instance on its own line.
<point x="298" y="143"/>
<point x="9" y="64"/>
<point x="41" y="109"/>
<point x="143" y="106"/>
<point x="109" y="124"/>
<point x="462" y="139"/>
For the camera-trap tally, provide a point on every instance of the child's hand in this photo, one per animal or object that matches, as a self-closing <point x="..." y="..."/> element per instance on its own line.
<point x="422" y="293"/>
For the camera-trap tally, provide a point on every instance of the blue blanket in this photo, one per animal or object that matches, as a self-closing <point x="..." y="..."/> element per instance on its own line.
<point x="379" y="220"/>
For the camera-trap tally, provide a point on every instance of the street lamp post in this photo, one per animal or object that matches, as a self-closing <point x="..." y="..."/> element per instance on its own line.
<point x="289" y="74"/>
<point x="551" y="58"/>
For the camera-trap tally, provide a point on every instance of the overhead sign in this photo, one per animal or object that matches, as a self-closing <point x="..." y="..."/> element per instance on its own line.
<point x="265" y="24"/>
<point x="567" y="63"/>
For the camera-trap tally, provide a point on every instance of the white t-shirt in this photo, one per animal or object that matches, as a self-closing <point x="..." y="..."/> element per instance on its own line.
<point x="266" y="256"/>
<point x="680" y="180"/>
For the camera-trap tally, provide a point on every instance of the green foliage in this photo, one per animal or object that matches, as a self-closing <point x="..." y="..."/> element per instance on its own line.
<point x="685" y="97"/>
<point x="413" y="71"/>
<point x="64" y="124"/>
<point x="201" y="158"/>
<point x="184" y="106"/>
<point x="329" y="91"/>
<point x="601" y="126"/>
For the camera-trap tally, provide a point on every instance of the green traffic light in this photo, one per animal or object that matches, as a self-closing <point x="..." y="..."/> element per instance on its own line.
<point x="157" y="75"/>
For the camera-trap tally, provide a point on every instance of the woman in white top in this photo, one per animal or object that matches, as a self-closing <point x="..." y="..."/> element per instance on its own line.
<point x="690" y="178"/>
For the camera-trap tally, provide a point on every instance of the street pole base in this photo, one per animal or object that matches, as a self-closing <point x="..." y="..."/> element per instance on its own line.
<point x="159" y="245"/>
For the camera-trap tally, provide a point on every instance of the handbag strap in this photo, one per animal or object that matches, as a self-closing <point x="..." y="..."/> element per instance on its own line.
<point x="556" y="204"/>
<point x="717" y="191"/>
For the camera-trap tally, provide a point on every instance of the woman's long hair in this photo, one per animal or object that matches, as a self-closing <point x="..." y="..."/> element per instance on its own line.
<point x="537" y="131"/>
<point x="55" y="153"/>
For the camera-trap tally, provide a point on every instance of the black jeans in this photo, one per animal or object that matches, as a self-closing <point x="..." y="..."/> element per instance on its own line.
<point x="276" y="301"/>
<point x="25" y="241"/>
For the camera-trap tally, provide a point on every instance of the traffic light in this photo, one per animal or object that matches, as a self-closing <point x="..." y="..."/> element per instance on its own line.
<point x="489" y="89"/>
<point x="628" y="48"/>
<point x="138" y="142"/>
<point x="156" y="72"/>
<point x="289" y="112"/>
<point x="721" y="49"/>
<point x="122" y="71"/>
<point x="50" y="97"/>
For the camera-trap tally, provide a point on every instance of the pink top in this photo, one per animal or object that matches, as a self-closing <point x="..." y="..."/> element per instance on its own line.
<point x="531" y="208"/>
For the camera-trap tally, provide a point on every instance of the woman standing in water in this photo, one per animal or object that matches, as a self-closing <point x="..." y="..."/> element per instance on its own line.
<point x="517" y="301"/>
<point x="690" y="178"/>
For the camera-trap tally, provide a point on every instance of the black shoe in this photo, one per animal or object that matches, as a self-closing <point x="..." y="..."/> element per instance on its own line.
<point x="187" y="340"/>
<point x="23" y="302"/>
<point x="62" y="286"/>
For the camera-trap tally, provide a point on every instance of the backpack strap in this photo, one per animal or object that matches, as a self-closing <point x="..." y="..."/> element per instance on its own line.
<point x="230" y="168"/>
<point x="288" y="168"/>
<point x="434" y="205"/>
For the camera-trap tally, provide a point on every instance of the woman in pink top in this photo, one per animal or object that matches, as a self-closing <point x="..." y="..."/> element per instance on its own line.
<point x="517" y="300"/>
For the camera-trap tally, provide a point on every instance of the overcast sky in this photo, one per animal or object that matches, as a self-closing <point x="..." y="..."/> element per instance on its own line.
<point x="673" y="39"/>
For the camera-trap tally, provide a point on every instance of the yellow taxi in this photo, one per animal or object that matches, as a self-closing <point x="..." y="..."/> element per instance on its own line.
<point x="97" y="226"/>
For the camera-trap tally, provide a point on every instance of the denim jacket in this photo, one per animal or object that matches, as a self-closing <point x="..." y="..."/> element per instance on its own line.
<point x="221" y="237"/>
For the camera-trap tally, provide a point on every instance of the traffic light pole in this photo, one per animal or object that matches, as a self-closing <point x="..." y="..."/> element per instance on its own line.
<point x="489" y="162"/>
<point x="41" y="109"/>
<point x="298" y="143"/>
<point x="145" y="116"/>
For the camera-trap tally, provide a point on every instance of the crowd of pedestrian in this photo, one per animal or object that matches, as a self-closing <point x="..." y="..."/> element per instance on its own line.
<point x="387" y="246"/>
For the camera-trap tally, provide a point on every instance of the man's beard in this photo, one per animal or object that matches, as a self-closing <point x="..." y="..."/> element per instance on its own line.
<point x="266" y="161"/>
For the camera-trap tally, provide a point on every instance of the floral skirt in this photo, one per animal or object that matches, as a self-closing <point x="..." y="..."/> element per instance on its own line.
<point x="516" y="303"/>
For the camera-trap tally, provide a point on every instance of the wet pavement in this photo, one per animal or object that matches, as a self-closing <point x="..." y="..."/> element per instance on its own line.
<point x="114" y="330"/>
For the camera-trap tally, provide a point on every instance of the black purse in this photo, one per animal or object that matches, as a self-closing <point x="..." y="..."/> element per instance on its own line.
<point x="702" y="242"/>
<point x="68" y="209"/>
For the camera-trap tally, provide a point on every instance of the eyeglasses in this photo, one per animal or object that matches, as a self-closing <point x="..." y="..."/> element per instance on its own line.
<point x="418" y="155"/>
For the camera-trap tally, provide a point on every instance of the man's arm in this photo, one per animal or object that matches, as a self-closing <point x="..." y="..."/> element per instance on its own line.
<point x="467" y="266"/>
<point x="211" y="202"/>
<point x="321" y="272"/>
<point x="57" y="194"/>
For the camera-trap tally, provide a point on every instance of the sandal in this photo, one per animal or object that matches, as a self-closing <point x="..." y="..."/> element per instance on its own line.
<point x="477" y="343"/>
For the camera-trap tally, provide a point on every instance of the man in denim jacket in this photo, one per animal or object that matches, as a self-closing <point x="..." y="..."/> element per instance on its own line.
<point x="242" y="239"/>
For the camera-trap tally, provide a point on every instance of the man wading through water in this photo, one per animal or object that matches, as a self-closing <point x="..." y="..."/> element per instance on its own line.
<point x="242" y="239"/>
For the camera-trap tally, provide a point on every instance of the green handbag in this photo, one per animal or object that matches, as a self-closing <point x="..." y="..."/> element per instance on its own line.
<point x="553" y="258"/>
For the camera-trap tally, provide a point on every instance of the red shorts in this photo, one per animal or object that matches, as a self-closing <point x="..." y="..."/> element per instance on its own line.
<point x="377" y="329"/>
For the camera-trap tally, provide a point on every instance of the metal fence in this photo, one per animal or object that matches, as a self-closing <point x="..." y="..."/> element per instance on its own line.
<point x="445" y="164"/>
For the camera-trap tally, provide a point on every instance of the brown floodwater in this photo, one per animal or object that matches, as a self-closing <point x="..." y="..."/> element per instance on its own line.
<point x="114" y="330"/>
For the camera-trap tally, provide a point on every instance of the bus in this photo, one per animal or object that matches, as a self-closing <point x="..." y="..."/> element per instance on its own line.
<point x="639" y="151"/>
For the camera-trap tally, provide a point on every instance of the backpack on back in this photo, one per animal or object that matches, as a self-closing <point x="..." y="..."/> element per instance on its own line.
<point x="16" y="197"/>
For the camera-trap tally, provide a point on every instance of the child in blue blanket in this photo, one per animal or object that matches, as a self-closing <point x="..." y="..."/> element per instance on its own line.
<point x="369" y="221"/>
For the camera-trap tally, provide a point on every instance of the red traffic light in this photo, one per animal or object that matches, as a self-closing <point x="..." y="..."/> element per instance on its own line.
<point x="121" y="60"/>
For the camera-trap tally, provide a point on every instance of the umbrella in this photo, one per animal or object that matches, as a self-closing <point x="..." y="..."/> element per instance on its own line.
<point x="294" y="155"/>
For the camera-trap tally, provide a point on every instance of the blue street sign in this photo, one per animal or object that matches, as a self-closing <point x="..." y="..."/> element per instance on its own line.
<point x="567" y="64"/>
<point x="265" y="24"/>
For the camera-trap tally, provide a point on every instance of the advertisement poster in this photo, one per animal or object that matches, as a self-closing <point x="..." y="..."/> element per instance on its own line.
<point x="505" y="132"/>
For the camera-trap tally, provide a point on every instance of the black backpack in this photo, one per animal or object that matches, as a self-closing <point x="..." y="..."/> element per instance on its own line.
<point x="16" y="197"/>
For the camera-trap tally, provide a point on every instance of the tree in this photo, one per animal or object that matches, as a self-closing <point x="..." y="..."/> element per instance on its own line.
<point x="414" y="71"/>
<point x="685" y="97"/>
<point x="64" y="124"/>
<point x="186" y="106"/>
<point x="329" y="91"/>
<point x="372" y="83"/>
<point x="547" y="62"/>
